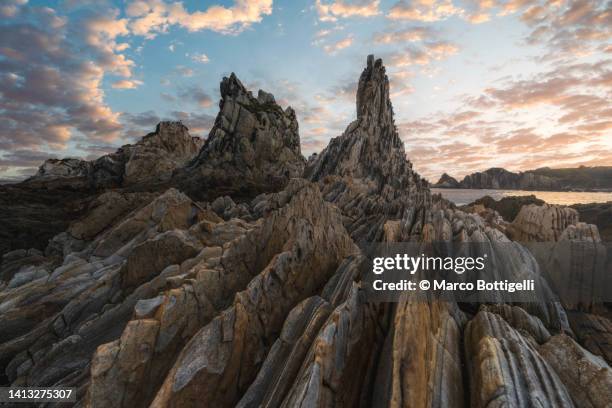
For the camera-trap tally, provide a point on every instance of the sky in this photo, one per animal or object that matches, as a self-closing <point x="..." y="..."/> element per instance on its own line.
<point x="475" y="84"/>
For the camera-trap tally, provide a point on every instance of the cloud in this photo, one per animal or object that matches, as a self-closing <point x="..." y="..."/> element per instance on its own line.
<point x="412" y="34"/>
<point x="126" y="84"/>
<point x="423" y="10"/>
<point x="10" y="8"/>
<point x="184" y="71"/>
<point x="576" y="28"/>
<point x="148" y="18"/>
<point x="559" y="117"/>
<point x="196" y="94"/>
<point x="201" y="58"/>
<point x="334" y="10"/>
<point x="23" y="158"/>
<point x="422" y="55"/>
<point x="333" y="48"/>
<point x="51" y="79"/>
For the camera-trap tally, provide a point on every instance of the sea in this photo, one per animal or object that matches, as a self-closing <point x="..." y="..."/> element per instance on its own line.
<point x="462" y="196"/>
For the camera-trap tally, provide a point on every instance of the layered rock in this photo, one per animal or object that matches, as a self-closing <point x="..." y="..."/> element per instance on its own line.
<point x="52" y="324"/>
<point x="62" y="190"/>
<point x="154" y="299"/>
<point x="543" y="223"/>
<point x="253" y="147"/>
<point x="152" y="159"/>
<point x="365" y="171"/>
<point x="506" y="369"/>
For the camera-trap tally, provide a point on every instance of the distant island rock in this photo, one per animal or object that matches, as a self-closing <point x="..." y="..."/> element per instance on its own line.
<point x="568" y="179"/>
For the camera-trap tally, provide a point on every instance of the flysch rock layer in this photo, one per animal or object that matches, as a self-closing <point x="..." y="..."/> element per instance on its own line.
<point x="253" y="296"/>
<point x="253" y="147"/>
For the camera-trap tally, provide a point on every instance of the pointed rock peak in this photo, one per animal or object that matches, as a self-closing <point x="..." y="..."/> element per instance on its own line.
<point x="232" y="87"/>
<point x="373" y="101"/>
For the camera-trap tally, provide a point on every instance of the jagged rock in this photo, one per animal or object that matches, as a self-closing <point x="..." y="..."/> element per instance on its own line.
<point x="232" y="345"/>
<point x="506" y="368"/>
<point x="520" y="320"/>
<point x="158" y="154"/>
<point x="253" y="147"/>
<point x="52" y="326"/>
<point x="105" y="210"/>
<point x="543" y="223"/>
<point x="64" y="168"/>
<point x="507" y="207"/>
<point x="421" y="361"/>
<point x="61" y="192"/>
<point x="151" y="159"/>
<point x="587" y="377"/>
<point x="370" y="148"/>
<point x="255" y="295"/>
<point x="365" y="171"/>
<point x="593" y="332"/>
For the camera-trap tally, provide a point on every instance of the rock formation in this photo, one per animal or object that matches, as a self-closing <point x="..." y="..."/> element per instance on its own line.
<point x="447" y="181"/>
<point x="599" y="214"/>
<point x="547" y="179"/>
<point x="42" y="206"/>
<point x="543" y="223"/>
<point x="253" y="147"/>
<point x="255" y="295"/>
<point x="153" y="158"/>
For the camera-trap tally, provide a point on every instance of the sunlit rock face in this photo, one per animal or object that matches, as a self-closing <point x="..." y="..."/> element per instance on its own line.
<point x="236" y="281"/>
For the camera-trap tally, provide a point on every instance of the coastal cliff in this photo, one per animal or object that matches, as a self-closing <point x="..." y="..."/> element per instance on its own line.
<point x="543" y="179"/>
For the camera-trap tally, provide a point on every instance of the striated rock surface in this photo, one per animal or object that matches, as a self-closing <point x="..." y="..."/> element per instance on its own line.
<point x="506" y="369"/>
<point x="253" y="147"/>
<point x="37" y="209"/>
<point x="230" y="281"/>
<point x="588" y="378"/>
<point x="543" y="223"/>
<point x="365" y="171"/>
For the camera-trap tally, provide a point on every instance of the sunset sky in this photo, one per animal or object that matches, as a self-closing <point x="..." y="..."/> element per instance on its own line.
<point x="475" y="84"/>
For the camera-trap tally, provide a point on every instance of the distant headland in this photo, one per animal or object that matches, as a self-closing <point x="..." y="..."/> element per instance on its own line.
<point x="545" y="179"/>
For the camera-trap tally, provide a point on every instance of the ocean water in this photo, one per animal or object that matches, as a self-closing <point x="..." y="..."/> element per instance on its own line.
<point x="465" y="196"/>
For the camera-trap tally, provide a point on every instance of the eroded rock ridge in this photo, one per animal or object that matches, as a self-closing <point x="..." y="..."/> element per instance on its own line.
<point x="238" y="297"/>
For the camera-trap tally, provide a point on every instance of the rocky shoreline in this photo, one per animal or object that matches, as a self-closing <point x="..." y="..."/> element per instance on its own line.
<point x="599" y="214"/>
<point x="229" y="276"/>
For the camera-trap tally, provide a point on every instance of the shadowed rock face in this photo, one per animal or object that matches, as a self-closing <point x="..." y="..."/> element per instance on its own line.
<point x="152" y="159"/>
<point x="154" y="299"/>
<point x="61" y="191"/>
<point x="253" y="147"/>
